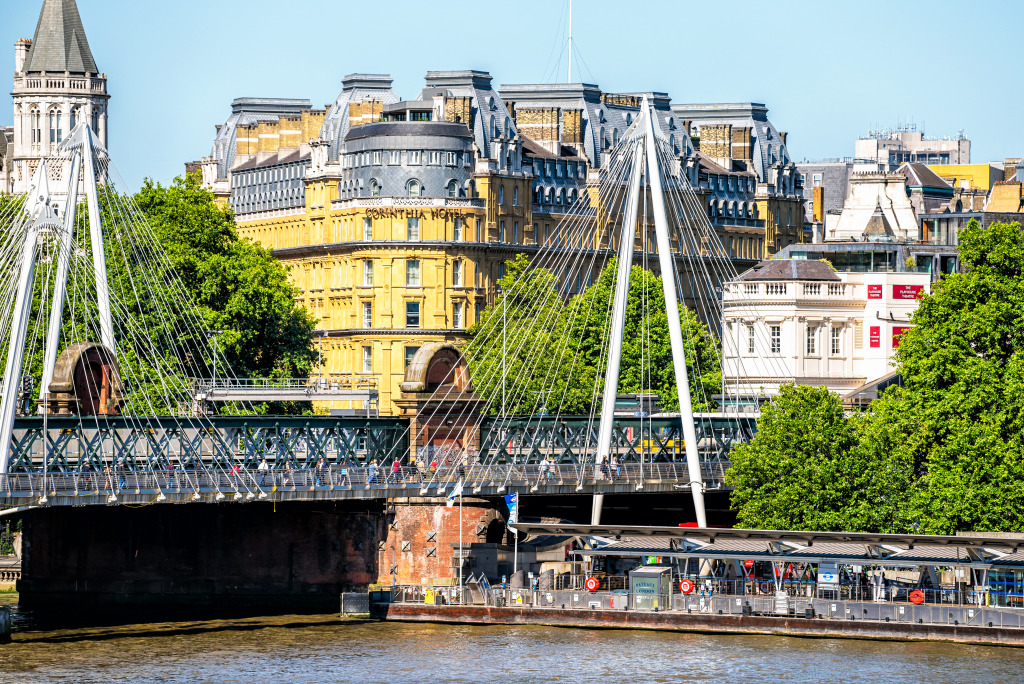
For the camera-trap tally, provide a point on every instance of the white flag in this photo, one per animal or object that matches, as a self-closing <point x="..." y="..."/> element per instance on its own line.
<point x="456" y="492"/>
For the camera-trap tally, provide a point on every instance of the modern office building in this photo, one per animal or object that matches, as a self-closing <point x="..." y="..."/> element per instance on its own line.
<point x="891" y="147"/>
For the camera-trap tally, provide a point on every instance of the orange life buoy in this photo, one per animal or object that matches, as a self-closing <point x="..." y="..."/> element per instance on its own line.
<point x="916" y="597"/>
<point x="686" y="586"/>
<point x="593" y="584"/>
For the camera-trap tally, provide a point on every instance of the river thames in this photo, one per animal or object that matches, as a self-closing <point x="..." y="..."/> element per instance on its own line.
<point x="325" y="649"/>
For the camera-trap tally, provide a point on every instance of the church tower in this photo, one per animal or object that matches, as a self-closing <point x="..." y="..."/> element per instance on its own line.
<point x="56" y="85"/>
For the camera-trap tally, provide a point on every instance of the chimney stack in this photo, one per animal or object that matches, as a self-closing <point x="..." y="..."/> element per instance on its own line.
<point x="21" y="49"/>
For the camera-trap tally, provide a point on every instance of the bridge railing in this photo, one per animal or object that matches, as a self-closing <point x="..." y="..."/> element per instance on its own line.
<point x="387" y="481"/>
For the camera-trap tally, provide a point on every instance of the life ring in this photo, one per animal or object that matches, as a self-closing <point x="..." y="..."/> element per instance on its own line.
<point x="916" y="597"/>
<point x="593" y="584"/>
<point x="686" y="586"/>
<point x="765" y="587"/>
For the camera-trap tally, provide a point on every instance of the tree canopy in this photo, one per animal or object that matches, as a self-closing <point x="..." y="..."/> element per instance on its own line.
<point x="555" y="347"/>
<point x="210" y="280"/>
<point x="941" y="454"/>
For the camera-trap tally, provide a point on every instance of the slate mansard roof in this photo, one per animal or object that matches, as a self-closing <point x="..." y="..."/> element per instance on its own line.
<point x="60" y="44"/>
<point x="790" y="269"/>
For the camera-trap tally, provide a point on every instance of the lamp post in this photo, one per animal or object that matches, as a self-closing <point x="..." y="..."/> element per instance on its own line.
<point x="214" y="334"/>
<point x="320" y="357"/>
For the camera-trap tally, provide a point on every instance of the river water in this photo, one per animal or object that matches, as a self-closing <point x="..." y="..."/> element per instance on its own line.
<point x="323" y="648"/>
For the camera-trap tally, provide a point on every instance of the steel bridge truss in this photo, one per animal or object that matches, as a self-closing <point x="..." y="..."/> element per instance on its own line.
<point x="222" y="442"/>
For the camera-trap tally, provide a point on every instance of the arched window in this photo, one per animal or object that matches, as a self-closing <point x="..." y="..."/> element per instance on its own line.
<point x="453" y="188"/>
<point x="573" y="196"/>
<point x="472" y="188"/>
<point x="55" y="127"/>
<point x="561" y="196"/>
<point x="95" y="119"/>
<point x="494" y="127"/>
<point x="551" y="196"/>
<point x="671" y="124"/>
<point x="76" y="116"/>
<point x="515" y="196"/>
<point x="672" y="143"/>
<point x="629" y="118"/>
<point x="604" y="141"/>
<point x="414" y="188"/>
<point x="615" y="136"/>
<point x="35" y="119"/>
<point x="490" y="102"/>
<point x="711" y="208"/>
<point x="600" y="116"/>
<point x="374" y="188"/>
<point x="508" y="127"/>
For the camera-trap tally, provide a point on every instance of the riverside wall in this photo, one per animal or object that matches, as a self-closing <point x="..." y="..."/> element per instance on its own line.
<point x="698" y="622"/>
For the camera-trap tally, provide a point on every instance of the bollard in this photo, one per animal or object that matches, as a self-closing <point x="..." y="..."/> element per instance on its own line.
<point x="5" y="624"/>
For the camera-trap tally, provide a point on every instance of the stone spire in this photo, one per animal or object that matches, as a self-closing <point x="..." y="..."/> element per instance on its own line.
<point x="60" y="44"/>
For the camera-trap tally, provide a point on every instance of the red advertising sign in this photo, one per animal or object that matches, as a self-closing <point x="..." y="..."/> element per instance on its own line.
<point x="898" y="330"/>
<point x="875" y="336"/>
<point x="874" y="291"/>
<point x="907" y="291"/>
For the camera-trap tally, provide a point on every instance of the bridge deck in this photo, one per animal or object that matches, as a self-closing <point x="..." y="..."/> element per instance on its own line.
<point x="338" y="483"/>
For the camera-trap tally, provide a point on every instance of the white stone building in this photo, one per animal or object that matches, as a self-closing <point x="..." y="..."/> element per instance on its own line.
<point x="798" y="321"/>
<point x="56" y="85"/>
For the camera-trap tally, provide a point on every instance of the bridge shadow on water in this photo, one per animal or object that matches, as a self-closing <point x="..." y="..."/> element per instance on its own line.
<point x="44" y="627"/>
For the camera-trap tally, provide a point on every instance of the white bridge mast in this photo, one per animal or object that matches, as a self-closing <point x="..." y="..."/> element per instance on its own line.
<point x="44" y="220"/>
<point x="645" y="144"/>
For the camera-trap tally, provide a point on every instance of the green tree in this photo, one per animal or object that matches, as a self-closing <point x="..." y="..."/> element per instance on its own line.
<point x="555" y="349"/>
<point x="963" y="384"/>
<point x="941" y="454"/>
<point x="237" y="285"/>
<point x="209" y="279"/>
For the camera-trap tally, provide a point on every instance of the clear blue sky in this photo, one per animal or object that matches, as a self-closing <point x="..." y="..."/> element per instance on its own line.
<point x="828" y="71"/>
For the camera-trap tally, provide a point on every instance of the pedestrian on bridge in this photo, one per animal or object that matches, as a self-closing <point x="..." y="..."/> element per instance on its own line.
<point x="321" y="471"/>
<point x="372" y="477"/>
<point x="396" y="470"/>
<point x="263" y="469"/>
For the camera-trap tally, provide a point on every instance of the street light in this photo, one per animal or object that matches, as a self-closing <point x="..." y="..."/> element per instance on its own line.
<point x="214" y="334"/>
<point x="320" y="356"/>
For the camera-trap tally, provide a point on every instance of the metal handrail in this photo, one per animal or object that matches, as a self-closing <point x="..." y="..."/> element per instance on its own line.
<point x="438" y="481"/>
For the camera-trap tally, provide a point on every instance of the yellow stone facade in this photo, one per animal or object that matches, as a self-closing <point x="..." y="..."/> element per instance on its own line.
<point x="458" y="255"/>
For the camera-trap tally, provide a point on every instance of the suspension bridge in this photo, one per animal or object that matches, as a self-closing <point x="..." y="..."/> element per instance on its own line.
<point x="104" y="401"/>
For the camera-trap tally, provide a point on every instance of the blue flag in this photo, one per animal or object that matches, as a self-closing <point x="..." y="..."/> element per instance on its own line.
<point x="512" y="501"/>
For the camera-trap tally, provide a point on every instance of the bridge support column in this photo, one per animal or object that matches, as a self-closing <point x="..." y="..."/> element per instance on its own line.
<point x="595" y="511"/>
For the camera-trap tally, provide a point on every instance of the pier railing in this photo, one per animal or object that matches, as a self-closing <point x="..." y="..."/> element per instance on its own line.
<point x="939" y="608"/>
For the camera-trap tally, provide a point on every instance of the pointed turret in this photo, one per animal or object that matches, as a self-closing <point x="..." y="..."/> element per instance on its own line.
<point x="60" y="44"/>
